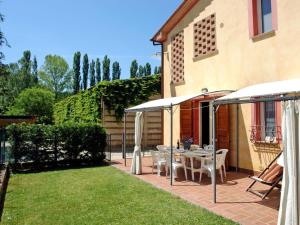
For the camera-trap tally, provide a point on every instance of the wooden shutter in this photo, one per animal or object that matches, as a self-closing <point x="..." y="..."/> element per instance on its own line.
<point x="256" y="122"/>
<point x="278" y="121"/>
<point x="252" y="18"/>
<point x="223" y="131"/>
<point x="186" y="128"/>
<point x="274" y="14"/>
<point x="196" y="122"/>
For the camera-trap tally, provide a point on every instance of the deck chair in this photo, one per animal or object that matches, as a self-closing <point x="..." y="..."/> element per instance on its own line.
<point x="271" y="176"/>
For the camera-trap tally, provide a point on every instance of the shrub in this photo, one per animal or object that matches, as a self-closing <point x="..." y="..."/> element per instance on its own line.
<point x="34" y="102"/>
<point x="49" y="145"/>
<point x="117" y="95"/>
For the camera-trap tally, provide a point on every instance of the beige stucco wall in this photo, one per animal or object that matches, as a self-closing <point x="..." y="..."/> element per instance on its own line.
<point x="240" y="62"/>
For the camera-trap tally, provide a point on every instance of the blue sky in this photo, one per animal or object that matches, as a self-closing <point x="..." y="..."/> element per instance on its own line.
<point x="119" y="28"/>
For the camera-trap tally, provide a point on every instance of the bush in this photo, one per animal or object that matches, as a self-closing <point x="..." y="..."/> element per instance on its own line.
<point x="34" y="102"/>
<point x="48" y="145"/>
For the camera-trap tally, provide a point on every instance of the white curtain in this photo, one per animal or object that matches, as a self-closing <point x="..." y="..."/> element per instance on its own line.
<point x="136" y="165"/>
<point x="289" y="202"/>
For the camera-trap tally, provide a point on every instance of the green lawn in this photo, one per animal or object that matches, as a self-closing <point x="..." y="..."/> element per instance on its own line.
<point x="101" y="195"/>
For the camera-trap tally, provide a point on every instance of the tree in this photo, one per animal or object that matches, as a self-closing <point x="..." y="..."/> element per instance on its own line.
<point x="133" y="69"/>
<point x="141" y="71"/>
<point x="106" y="68"/>
<point x="98" y="70"/>
<point x="76" y="72"/>
<point x="34" y="102"/>
<point x="25" y="63"/>
<point x="147" y="69"/>
<point x="55" y="74"/>
<point x="3" y="41"/>
<point x="116" y="71"/>
<point x="35" y="71"/>
<point x="92" y="74"/>
<point x="85" y="71"/>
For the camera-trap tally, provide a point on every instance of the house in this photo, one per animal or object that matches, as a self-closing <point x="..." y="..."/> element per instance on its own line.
<point x="215" y="46"/>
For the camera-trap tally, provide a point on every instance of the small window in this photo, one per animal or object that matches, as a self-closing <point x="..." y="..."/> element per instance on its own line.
<point x="262" y="16"/>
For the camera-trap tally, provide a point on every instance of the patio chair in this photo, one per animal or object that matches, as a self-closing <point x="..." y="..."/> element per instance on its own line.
<point x="157" y="160"/>
<point x="175" y="165"/>
<point x="207" y="165"/>
<point x="224" y="153"/>
<point x="271" y="176"/>
<point x="208" y="147"/>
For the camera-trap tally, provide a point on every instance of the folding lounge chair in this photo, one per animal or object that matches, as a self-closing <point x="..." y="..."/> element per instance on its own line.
<point x="271" y="176"/>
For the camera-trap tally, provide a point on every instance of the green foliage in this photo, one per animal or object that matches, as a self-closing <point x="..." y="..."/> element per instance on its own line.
<point x="44" y="145"/>
<point x="147" y="69"/>
<point x="55" y="74"/>
<point x="117" y="95"/>
<point x="133" y="69"/>
<point x="3" y="40"/>
<point x="106" y="68"/>
<point x="98" y="70"/>
<point x="141" y="71"/>
<point x="85" y="71"/>
<point x="92" y="74"/>
<point x="76" y="72"/>
<point x="25" y="69"/>
<point x="34" y="102"/>
<point x="116" y="71"/>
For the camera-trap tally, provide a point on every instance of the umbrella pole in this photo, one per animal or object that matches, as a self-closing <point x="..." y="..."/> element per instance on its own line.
<point x="214" y="156"/>
<point x="171" y="142"/>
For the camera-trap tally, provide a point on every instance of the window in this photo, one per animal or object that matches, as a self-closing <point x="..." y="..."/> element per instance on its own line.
<point x="262" y="16"/>
<point x="205" y="37"/>
<point x="268" y="119"/>
<point x="266" y="16"/>
<point x="177" y="55"/>
<point x="266" y="122"/>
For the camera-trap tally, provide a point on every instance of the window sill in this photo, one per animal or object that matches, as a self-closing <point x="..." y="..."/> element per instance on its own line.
<point x="263" y="36"/>
<point x="206" y="55"/>
<point x="266" y="143"/>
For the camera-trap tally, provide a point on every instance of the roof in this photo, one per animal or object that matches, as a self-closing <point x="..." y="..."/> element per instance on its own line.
<point x="270" y="89"/>
<point x="173" y="20"/>
<point x="166" y="103"/>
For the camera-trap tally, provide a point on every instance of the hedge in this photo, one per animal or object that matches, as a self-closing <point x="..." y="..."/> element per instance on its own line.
<point x="117" y="95"/>
<point x="42" y="146"/>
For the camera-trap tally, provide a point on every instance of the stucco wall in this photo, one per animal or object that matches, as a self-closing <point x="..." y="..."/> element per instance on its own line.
<point x="240" y="62"/>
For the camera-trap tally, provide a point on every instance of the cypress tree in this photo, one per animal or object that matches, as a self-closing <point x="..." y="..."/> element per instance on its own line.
<point x="133" y="69"/>
<point x="25" y="62"/>
<point x="92" y="74"/>
<point x="141" y="71"/>
<point x="116" y="71"/>
<point x="85" y="71"/>
<point x="98" y="70"/>
<point x="106" y="68"/>
<point x="76" y="70"/>
<point x="147" y="69"/>
<point x="35" y="70"/>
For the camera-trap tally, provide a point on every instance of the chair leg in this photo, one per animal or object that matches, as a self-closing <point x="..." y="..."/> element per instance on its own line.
<point x="221" y="174"/>
<point x="224" y="171"/>
<point x="200" y="177"/>
<point x="192" y="169"/>
<point x="158" y="169"/>
<point x="152" y="166"/>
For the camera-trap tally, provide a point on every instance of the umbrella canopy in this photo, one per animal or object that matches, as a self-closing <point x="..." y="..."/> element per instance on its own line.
<point x="136" y="166"/>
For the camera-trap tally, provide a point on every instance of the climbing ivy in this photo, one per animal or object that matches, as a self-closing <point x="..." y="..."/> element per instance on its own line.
<point x="117" y="96"/>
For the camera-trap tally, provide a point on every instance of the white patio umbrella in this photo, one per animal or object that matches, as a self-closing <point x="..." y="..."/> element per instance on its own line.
<point x="290" y="193"/>
<point x="136" y="166"/>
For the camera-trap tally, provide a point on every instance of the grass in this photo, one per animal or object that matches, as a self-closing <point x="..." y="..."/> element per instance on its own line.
<point x="100" y="195"/>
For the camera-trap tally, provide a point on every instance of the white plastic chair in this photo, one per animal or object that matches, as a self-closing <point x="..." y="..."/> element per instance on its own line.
<point x="208" y="147"/>
<point x="175" y="166"/>
<point x="158" y="161"/>
<point x="207" y="165"/>
<point x="224" y="153"/>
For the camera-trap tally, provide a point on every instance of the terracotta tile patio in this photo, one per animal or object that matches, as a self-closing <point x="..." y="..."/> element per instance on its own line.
<point x="232" y="200"/>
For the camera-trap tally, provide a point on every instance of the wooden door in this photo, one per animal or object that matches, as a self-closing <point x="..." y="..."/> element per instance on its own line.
<point x="195" y="114"/>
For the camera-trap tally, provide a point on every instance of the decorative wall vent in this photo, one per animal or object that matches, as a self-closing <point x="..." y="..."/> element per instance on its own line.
<point x="205" y="36"/>
<point x="177" y="56"/>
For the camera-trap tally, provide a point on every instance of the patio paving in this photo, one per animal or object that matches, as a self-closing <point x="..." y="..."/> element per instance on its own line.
<point x="232" y="200"/>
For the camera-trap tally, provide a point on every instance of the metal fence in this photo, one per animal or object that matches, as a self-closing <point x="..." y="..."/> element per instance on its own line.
<point x="2" y="145"/>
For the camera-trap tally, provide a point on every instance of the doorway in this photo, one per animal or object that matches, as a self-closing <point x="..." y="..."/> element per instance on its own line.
<point x="205" y="131"/>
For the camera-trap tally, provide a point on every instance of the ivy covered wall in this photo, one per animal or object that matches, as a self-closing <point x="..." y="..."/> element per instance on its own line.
<point x="116" y="95"/>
